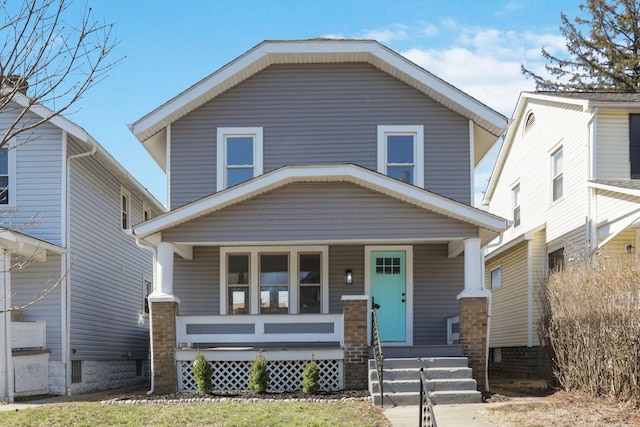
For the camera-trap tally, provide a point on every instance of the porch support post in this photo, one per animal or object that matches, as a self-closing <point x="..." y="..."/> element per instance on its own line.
<point x="163" y="308"/>
<point x="473" y="312"/>
<point x="356" y="348"/>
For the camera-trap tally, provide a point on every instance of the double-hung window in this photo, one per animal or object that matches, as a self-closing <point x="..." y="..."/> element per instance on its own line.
<point x="274" y="280"/>
<point x="557" y="175"/>
<point x="125" y="208"/>
<point x="239" y="152"/>
<point x="4" y="176"/>
<point x="401" y="153"/>
<point x="515" y="196"/>
<point x="496" y="278"/>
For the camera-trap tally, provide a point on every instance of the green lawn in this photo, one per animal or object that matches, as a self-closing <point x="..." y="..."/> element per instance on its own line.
<point x="294" y="414"/>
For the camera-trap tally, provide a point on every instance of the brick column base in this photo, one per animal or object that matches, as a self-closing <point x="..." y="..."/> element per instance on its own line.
<point x="473" y="335"/>
<point x="163" y="346"/>
<point x="355" y="344"/>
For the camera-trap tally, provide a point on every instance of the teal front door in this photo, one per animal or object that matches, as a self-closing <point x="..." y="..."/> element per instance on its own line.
<point x="388" y="290"/>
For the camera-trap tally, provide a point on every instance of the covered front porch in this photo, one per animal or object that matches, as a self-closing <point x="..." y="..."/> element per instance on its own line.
<point x="292" y="262"/>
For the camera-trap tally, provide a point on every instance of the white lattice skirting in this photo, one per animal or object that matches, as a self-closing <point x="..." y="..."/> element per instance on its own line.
<point x="284" y="375"/>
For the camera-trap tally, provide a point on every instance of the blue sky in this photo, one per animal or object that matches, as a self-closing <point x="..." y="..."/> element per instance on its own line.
<point x="167" y="46"/>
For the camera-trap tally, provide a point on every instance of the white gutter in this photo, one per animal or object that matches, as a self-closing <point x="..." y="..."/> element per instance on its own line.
<point x="143" y="245"/>
<point x="66" y="291"/>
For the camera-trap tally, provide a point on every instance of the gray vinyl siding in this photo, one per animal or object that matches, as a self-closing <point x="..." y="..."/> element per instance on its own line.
<point x="319" y="211"/>
<point x="107" y="318"/>
<point x="342" y="258"/>
<point x="437" y="282"/>
<point x="26" y="285"/>
<point x="197" y="282"/>
<point x="38" y="182"/>
<point x="319" y="114"/>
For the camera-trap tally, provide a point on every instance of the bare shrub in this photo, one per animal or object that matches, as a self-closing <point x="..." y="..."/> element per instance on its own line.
<point x="592" y="325"/>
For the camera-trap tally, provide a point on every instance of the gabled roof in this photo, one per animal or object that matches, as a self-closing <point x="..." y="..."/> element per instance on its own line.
<point x="151" y="129"/>
<point x="82" y="135"/>
<point x="586" y="100"/>
<point x="334" y="173"/>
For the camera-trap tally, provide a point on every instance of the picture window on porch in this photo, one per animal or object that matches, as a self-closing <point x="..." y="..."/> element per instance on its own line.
<point x="274" y="283"/>
<point x="310" y="282"/>
<point x="274" y="280"/>
<point x="239" y="154"/>
<point x="238" y="284"/>
<point x="401" y="153"/>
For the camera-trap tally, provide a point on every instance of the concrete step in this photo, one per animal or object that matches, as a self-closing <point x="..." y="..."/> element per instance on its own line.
<point x="400" y="386"/>
<point x="414" y="374"/>
<point x="438" y="397"/>
<point x="423" y="362"/>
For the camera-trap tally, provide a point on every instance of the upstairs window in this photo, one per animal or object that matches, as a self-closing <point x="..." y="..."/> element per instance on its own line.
<point x="557" y="175"/>
<point x="125" y="208"/>
<point x="401" y="153"/>
<point x="634" y="145"/>
<point x="515" y="196"/>
<point x="239" y="155"/>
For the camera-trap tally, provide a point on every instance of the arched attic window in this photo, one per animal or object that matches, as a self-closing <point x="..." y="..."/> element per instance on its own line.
<point x="529" y="122"/>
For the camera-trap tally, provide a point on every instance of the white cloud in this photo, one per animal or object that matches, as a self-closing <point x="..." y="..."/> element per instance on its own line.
<point x="388" y="34"/>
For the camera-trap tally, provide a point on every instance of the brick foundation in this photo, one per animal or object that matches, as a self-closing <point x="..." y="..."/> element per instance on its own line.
<point x="473" y="335"/>
<point x="163" y="344"/>
<point x="355" y="344"/>
<point x="517" y="362"/>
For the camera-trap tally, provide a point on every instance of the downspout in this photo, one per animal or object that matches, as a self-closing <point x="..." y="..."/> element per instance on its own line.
<point x="489" y="301"/>
<point x="67" y="238"/>
<point x="143" y="245"/>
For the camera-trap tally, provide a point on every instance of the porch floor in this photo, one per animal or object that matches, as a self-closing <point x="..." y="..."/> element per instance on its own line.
<point x="396" y="352"/>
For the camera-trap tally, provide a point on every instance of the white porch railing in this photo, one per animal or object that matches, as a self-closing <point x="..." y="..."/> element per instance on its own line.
<point x="28" y="335"/>
<point x="249" y="329"/>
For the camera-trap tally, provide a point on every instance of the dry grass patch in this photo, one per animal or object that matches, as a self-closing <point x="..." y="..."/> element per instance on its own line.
<point x="563" y="409"/>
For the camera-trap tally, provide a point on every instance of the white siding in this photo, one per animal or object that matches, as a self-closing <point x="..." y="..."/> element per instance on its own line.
<point x="613" y="145"/>
<point x="509" y="316"/>
<point x="529" y="163"/>
<point x="612" y="206"/>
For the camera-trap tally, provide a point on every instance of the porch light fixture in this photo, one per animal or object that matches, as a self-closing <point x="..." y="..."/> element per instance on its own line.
<point x="349" y="277"/>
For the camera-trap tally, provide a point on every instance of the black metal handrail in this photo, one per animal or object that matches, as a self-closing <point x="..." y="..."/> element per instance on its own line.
<point x="378" y="357"/>
<point x="427" y="417"/>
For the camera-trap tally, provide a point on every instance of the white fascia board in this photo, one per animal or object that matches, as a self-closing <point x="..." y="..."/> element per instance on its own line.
<point x="27" y="244"/>
<point x="346" y="173"/>
<point x="526" y="236"/>
<point x="271" y="52"/>
<point x="614" y="189"/>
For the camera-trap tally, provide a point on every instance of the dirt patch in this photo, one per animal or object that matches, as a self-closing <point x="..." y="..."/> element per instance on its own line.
<point x="516" y="402"/>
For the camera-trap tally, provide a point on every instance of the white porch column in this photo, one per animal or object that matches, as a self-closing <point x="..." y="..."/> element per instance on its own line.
<point x="163" y="287"/>
<point x="473" y="261"/>
<point x="6" y="358"/>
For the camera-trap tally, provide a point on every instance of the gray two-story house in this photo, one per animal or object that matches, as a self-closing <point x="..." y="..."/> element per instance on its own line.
<point x="73" y="285"/>
<point x="310" y="181"/>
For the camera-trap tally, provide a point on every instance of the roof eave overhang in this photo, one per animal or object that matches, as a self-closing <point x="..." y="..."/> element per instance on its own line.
<point x="337" y="173"/>
<point x="312" y="51"/>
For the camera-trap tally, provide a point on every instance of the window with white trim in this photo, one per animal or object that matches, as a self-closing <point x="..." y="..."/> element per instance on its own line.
<point x="7" y="175"/>
<point x="515" y="200"/>
<point x="146" y="291"/>
<point x="496" y="278"/>
<point x="239" y="154"/>
<point x="274" y="280"/>
<point x="401" y="153"/>
<point x="125" y="208"/>
<point x="557" y="168"/>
